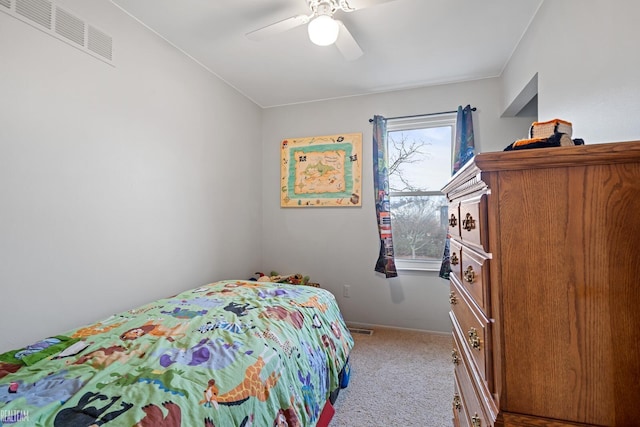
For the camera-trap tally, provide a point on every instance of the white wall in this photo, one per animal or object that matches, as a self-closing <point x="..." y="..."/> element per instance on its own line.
<point x="338" y="246"/>
<point x="587" y="60"/>
<point x="118" y="185"/>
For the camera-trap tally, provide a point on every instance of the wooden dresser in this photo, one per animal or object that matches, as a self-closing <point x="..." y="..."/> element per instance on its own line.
<point x="545" y="287"/>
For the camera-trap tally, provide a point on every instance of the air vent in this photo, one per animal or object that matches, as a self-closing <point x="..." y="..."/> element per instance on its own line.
<point x="63" y="25"/>
<point x="100" y="43"/>
<point x="69" y="26"/>
<point x="361" y="331"/>
<point x="38" y="11"/>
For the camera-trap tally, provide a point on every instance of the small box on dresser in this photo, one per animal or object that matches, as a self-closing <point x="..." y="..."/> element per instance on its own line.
<point x="545" y="291"/>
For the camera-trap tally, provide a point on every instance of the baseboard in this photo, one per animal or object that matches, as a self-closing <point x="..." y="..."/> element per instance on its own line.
<point x="373" y="325"/>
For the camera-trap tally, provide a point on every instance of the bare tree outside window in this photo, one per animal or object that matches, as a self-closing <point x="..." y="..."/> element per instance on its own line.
<point x="405" y="149"/>
<point x="420" y="165"/>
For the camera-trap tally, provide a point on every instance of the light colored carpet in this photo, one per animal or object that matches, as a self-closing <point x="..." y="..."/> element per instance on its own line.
<point x="398" y="378"/>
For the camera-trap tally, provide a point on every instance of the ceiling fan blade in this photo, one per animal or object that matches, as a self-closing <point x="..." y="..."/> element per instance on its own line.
<point x="361" y="4"/>
<point x="278" y="27"/>
<point x="347" y="45"/>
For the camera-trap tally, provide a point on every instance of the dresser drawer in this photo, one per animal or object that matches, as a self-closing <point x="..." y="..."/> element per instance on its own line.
<point x="455" y="258"/>
<point x="474" y="277"/>
<point x="473" y="328"/>
<point x="471" y="411"/>
<point x="454" y="219"/>
<point x="460" y="417"/>
<point x="473" y="222"/>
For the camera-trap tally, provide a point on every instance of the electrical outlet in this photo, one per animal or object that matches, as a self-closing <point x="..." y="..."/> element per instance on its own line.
<point x="345" y="291"/>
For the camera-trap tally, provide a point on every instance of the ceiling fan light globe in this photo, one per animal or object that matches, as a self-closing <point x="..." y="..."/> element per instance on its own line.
<point x="323" y="30"/>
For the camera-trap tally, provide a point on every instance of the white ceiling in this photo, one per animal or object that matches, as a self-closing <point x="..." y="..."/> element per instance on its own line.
<point x="406" y="44"/>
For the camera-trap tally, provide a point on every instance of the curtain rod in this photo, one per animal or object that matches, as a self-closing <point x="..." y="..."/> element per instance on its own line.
<point x="423" y="115"/>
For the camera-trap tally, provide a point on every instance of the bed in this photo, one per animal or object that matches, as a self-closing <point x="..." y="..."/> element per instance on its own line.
<point x="231" y="353"/>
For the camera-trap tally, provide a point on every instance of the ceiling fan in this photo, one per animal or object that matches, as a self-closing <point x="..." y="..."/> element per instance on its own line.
<point x="323" y="29"/>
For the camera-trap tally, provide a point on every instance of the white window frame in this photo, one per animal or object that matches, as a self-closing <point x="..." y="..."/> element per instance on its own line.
<point x="412" y="123"/>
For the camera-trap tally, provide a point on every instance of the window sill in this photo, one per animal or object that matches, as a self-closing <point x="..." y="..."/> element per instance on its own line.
<point x="409" y="265"/>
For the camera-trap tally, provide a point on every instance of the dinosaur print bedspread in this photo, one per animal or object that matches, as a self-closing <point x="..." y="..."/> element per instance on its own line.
<point x="231" y="353"/>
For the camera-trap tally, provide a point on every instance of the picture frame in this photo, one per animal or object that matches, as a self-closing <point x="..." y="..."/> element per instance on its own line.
<point x="321" y="171"/>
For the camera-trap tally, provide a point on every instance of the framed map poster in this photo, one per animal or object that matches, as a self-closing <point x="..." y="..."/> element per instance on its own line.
<point x="321" y="171"/>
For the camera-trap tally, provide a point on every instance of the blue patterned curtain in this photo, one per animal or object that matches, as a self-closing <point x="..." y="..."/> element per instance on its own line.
<point x="385" y="264"/>
<point x="463" y="151"/>
<point x="464" y="145"/>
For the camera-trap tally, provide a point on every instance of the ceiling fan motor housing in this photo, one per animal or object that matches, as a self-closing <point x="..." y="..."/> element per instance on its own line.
<point x="328" y="7"/>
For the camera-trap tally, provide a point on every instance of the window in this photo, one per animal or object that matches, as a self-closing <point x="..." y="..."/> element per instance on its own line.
<point x="419" y="150"/>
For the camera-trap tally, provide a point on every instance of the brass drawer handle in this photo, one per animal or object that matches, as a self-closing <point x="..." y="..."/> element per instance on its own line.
<point x="474" y="339"/>
<point x="457" y="403"/>
<point x="454" y="259"/>
<point x="475" y="420"/>
<point x="453" y="221"/>
<point x="469" y="275"/>
<point x="468" y="223"/>
<point x="453" y="300"/>
<point x="454" y="357"/>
